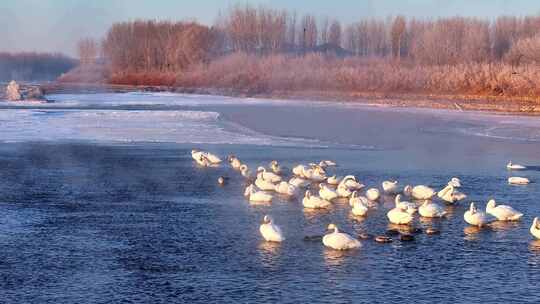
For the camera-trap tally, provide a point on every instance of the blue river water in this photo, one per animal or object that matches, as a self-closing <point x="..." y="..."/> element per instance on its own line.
<point x="100" y="202"/>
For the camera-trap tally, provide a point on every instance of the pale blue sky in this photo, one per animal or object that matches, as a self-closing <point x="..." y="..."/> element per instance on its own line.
<point x="55" y="25"/>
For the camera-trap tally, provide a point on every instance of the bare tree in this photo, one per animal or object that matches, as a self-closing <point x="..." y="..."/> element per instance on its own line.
<point x="398" y="31"/>
<point x="88" y="50"/>
<point x="334" y="35"/>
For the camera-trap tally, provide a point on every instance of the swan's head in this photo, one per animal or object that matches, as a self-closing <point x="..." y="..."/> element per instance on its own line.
<point x="354" y="194"/>
<point x="194" y="151"/>
<point x="491" y="204"/>
<point x="509" y="163"/>
<point x="331" y="227"/>
<point x="261" y="169"/>
<point x="274" y="163"/>
<point x="221" y="180"/>
<point x="267" y="219"/>
<point x="456" y="182"/>
<point x="308" y="194"/>
<point x="243" y="168"/>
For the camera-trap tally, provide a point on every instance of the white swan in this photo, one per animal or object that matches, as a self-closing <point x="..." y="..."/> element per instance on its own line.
<point x="333" y="180"/>
<point x="203" y="161"/>
<point x="404" y="205"/>
<point x="327" y="193"/>
<point x="511" y="166"/>
<point x="502" y="212"/>
<point x="212" y="158"/>
<point x="299" y="170"/>
<point x="431" y="209"/>
<point x="514" y="180"/>
<point x="270" y="231"/>
<point x="535" y="230"/>
<point x="359" y="204"/>
<point x="235" y="162"/>
<point x="256" y="195"/>
<point x="264" y="184"/>
<point x="373" y="194"/>
<point x="314" y="202"/>
<point x="357" y="198"/>
<point x="268" y="176"/>
<point x="399" y="216"/>
<point x="422" y="192"/>
<point x="450" y="194"/>
<point x="299" y="182"/>
<point x="390" y="187"/>
<point x="351" y="183"/>
<point x="314" y="174"/>
<point x="477" y="218"/>
<point x="195" y="154"/>
<point x="343" y="191"/>
<point x="286" y="189"/>
<point x="274" y="166"/>
<point x="339" y="240"/>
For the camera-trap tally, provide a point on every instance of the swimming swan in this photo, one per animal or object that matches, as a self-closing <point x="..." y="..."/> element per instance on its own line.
<point x="535" y="230"/>
<point x="477" y="218"/>
<point x="399" y="216"/>
<point x="511" y="166"/>
<point x="264" y="184"/>
<point x="203" y="161"/>
<point x="359" y="204"/>
<point x="422" y="192"/>
<point x="286" y="189"/>
<point x="431" y="209"/>
<point x="390" y="187"/>
<point x="270" y="231"/>
<point x="350" y="182"/>
<point x="299" y="182"/>
<point x="373" y="194"/>
<point x="268" y="176"/>
<point x="327" y="193"/>
<point x="502" y="212"/>
<point x="407" y="206"/>
<point x="450" y="194"/>
<point x="255" y="195"/>
<point x="333" y="180"/>
<point x="314" y="202"/>
<point x="339" y="240"/>
<point x="299" y="170"/>
<point x="514" y="180"/>
<point x="343" y="191"/>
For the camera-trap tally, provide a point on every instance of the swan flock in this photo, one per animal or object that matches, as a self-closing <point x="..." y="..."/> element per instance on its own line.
<point x="319" y="191"/>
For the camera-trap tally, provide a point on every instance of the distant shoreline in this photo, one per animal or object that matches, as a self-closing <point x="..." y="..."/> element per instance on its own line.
<point x="449" y="102"/>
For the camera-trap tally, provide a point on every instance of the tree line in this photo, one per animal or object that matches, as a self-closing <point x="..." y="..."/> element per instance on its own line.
<point x="33" y="66"/>
<point x="468" y="54"/>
